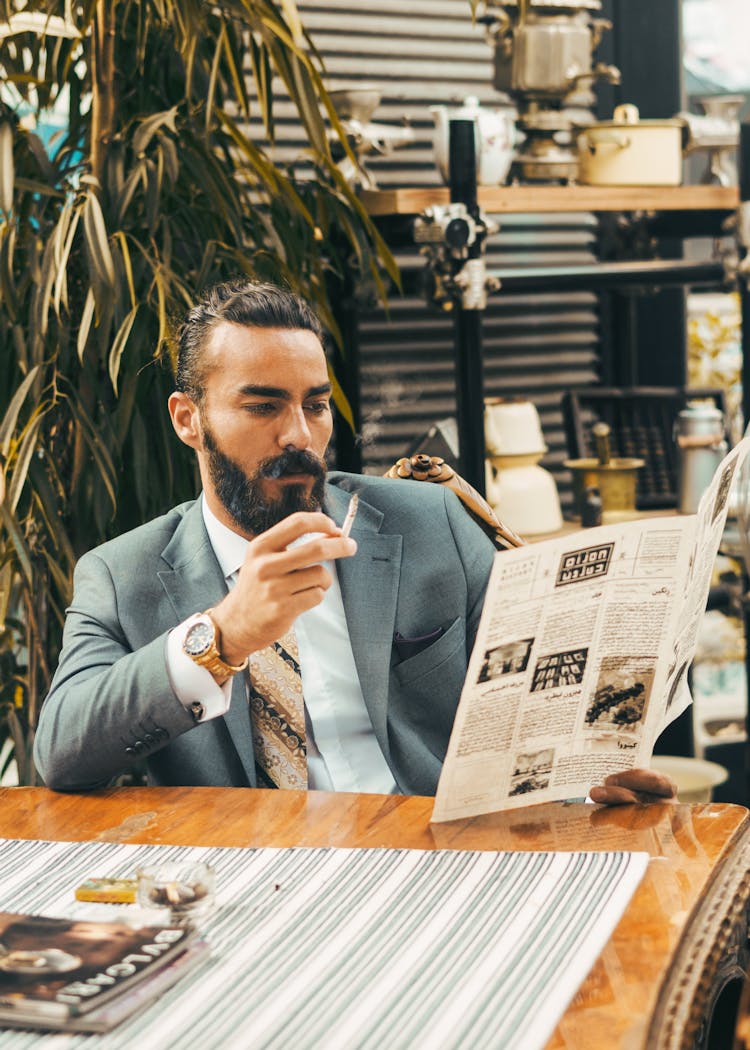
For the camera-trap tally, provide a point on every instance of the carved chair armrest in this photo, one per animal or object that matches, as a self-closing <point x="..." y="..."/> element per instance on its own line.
<point x="432" y="468"/>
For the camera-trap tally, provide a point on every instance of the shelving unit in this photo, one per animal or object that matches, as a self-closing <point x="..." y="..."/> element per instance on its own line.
<point x="684" y="211"/>
<point x="691" y="210"/>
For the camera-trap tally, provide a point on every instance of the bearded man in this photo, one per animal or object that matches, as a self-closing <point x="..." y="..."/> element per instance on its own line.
<point x="242" y="639"/>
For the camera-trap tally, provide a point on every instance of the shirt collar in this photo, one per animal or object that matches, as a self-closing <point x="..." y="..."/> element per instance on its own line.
<point x="229" y="547"/>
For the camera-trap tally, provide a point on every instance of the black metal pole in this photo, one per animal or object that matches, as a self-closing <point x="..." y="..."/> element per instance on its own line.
<point x="348" y="450"/>
<point x="470" y="396"/>
<point x="469" y="368"/>
<point x="345" y="361"/>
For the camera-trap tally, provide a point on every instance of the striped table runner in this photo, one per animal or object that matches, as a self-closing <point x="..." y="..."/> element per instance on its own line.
<point x="354" y="948"/>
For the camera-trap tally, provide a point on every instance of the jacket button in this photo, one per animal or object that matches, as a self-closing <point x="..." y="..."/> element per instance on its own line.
<point x="139" y="747"/>
<point x="129" y="750"/>
<point x="161" y="734"/>
<point x="149" y="739"/>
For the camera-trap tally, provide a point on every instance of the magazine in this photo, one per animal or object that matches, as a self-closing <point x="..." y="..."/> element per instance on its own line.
<point x="54" y="972"/>
<point x="126" y="1004"/>
<point x="581" y="657"/>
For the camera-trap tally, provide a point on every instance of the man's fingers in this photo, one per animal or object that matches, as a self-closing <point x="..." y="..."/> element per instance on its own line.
<point x="644" y="780"/>
<point x="291" y="528"/>
<point x="315" y="577"/>
<point x="634" y="785"/>
<point x="314" y="551"/>
<point x="279" y="580"/>
<point x="618" y="796"/>
<point x="612" y="796"/>
<point x="276" y="566"/>
<point x="276" y="551"/>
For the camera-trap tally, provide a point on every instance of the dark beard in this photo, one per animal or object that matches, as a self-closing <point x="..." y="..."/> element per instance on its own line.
<point x="242" y="495"/>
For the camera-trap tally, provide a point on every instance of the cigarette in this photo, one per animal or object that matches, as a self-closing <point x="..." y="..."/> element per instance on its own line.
<point x="351" y="514"/>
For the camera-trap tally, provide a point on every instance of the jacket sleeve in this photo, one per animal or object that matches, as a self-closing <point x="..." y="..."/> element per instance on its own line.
<point x="109" y="705"/>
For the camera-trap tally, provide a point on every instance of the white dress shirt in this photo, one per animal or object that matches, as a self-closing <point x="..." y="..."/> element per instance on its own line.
<point x="342" y="751"/>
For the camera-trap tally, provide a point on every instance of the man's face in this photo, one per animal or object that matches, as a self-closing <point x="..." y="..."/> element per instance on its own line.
<point x="265" y="424"/>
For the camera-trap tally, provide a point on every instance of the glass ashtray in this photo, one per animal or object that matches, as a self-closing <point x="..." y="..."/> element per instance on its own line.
<point x="186" y="890"/>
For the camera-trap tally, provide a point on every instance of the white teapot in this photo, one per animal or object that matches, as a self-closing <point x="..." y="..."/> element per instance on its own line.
<point x="496" y="139"/>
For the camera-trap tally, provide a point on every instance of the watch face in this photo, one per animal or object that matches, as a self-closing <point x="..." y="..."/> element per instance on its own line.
<point x="199" y="639"/>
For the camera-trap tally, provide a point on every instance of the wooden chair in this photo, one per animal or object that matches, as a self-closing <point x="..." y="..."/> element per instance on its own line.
<point x="434" y="469"/>
<point x="742" y="1023"/>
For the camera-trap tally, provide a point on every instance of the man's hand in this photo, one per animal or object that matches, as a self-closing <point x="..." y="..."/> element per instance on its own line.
<point x="275" y="584"/>
<point x="635" y="785"/>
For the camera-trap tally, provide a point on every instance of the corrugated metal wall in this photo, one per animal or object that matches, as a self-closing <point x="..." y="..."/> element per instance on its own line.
<point x="420" y="54"/>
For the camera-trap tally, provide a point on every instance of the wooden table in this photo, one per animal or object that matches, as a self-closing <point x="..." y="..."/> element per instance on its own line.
<point x="682" y="937"/>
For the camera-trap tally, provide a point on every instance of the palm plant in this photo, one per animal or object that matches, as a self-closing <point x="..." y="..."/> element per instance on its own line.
<point x="151" y="190"/>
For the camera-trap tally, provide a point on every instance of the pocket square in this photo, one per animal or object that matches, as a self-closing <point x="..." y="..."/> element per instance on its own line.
<point x="408" y="647"/>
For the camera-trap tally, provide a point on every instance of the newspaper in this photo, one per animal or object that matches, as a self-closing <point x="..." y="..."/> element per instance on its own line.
<point x="581" y="657"/>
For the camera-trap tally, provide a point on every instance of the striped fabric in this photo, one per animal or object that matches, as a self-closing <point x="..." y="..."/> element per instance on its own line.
<point x="336" y="949"/>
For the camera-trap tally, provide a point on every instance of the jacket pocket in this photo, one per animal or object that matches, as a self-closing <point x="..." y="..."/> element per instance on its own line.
<point x="429" y="659"/>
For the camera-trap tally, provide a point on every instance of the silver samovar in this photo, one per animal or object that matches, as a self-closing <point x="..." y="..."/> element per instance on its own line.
<point x="544" y="59"/>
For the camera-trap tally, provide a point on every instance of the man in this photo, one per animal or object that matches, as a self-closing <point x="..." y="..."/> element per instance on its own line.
<point x="163" y="619"/>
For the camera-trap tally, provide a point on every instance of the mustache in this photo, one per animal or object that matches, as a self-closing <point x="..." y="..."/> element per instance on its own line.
<point x="291" y="461"/>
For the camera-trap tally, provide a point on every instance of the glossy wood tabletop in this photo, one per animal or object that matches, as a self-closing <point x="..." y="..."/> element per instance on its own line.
<point x="615" y="1007"/>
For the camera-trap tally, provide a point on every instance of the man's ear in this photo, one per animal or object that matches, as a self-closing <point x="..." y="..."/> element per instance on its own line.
<point x="185" y="418"/>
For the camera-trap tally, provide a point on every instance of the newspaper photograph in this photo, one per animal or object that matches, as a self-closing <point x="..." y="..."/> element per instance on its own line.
<point x="581" y="656"/>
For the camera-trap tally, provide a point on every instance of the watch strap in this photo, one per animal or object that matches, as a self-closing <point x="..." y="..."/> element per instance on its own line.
<point x="211" y="659"/>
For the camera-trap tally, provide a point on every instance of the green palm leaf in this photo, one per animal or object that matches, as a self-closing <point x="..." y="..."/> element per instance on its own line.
<point x="155" y="189"/>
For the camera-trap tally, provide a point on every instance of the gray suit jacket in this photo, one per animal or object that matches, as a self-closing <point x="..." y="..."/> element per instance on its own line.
<point x="420" y="572"/>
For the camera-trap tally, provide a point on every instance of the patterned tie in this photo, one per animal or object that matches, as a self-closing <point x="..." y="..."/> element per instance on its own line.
<point x="277" y="713"/>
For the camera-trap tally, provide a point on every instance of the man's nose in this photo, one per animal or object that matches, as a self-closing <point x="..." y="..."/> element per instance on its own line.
<point x="295" y="432"/>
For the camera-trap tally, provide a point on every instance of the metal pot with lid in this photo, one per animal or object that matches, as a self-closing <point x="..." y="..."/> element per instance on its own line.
<point x="628" y="151"/>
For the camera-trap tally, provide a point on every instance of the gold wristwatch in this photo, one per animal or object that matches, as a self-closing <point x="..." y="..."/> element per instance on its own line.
<point x="201" y="644"/>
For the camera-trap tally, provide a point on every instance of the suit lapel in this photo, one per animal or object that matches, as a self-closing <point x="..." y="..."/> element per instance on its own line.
<point x="369" y="589"/>
<point x="194" y="583"/>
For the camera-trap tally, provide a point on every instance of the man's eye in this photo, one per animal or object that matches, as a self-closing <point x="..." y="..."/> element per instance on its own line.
<point x="264" y="408"/>
<point x="317" y="407"/>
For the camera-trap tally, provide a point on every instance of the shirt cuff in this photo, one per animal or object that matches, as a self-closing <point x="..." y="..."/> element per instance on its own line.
<point x="193" y="685"/>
